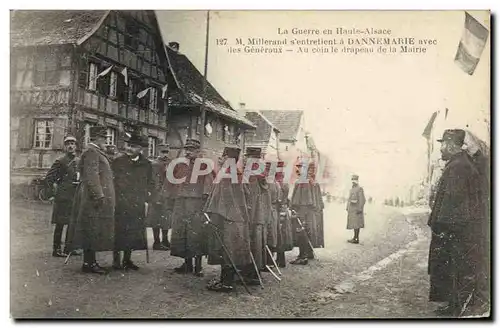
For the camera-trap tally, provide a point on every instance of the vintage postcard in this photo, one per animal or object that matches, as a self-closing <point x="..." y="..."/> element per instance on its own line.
<point x="250" y="164"/>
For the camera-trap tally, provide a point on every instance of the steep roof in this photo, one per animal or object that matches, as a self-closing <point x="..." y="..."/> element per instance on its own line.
<point x="264" y="126"/>
<point x="190" y="82"/>
<point x="287" y="121"/>
<point x="51" y="27"/>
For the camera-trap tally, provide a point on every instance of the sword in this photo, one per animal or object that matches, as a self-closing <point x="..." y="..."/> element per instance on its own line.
<point x="274" y="262"/>
<point x="307" y="236"/>
<point x="256" y="270"/>
<point x="216" y="232"/>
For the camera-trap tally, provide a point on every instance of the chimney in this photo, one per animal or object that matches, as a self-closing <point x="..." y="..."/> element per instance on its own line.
<point x="174" y="46"/>
<point x="242" y="106"/>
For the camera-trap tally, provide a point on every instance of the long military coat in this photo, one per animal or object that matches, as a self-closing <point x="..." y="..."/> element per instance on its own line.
<point x="189" y="235"/>
<point x="63" y="175"/>
<point x="260" y="215"/>
<point x="456" y="222"/>
<point x="92" y="225"/>
<point x="355" y="208"/>
<point x="273" y="223"/>
<point x="303" y="202"/>
<point x="285" y="226"/>
<point x="227" y="207"/>
<point x="133" y="182"/>
<point x="160" y="212"/>
<point x="319" y="207"/>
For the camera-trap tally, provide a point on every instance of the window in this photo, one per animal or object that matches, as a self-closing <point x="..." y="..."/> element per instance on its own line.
<point x="46" y="69"/>
<point x="198" y="124"/>
<point x="113" y="83"/>
<point x="92" y="83"/>
<point x="225" y="133"/>
<point x="112" y="137"/>
<point x="44" y="130"/>
<point x="153" y="98"/>
<point x="131" y="34"/>
<point x="152" y="142"/>
<point x="86" y="138"/>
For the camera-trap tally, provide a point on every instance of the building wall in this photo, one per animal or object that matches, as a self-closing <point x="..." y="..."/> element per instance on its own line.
<point x="185" y="125"/>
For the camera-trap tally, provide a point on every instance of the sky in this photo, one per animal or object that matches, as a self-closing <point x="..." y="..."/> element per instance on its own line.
<point x="367" y="112"/>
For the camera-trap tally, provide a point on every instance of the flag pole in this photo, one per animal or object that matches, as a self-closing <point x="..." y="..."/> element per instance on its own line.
<point x="205" y="82"/>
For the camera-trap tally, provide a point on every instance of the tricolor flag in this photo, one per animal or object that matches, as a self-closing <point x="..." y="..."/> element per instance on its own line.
<point x="125" y="75"/>
<point x="143" y="93"/>
<point x="471" y="45"/>
<point x="428" y="129"/>
<point x="164" y="91"/>
<point x="106" y="71"/>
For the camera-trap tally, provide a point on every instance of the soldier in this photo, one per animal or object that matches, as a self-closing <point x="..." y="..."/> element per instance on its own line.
<point x="133" y="183"/>
<point x="273" y="221"/>
<point x="188" y="239"/>
<point x="285" y="230"/>
<point x="319" y="206"/>
<point x="260" y="204"/>
<point x="228" y="210"/>
<point x="92" y="225"/>
<point x="159" y="217"/>
<point x="303" y="202"/>
<point x="63" y="175"/>
<point x="456" y="222"/>
<point x="355" y="209"/>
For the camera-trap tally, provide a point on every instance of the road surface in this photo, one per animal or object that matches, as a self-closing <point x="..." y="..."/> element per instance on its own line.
<point x="345" y="281"/>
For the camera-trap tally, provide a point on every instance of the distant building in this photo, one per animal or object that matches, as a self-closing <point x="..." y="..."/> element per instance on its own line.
<point x="265" y="136"/>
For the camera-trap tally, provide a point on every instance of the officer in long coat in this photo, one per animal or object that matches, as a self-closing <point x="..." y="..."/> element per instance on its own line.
<point x="63" y="175"/>
<point x="92" y="225"/>
<point x="456" y="222"/>
<point x="188" y="233"/>
<point x="160" y="213"/>
<point x="133" y="184"/>
<point x="303" y="202"/>
<point x="227" y="207"/>
<point x="285" y="227"/>
<point x="355" y="209"/>
<point x="260" y="212"/>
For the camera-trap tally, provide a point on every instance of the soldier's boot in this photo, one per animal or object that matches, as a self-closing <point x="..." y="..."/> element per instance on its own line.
<point x="164" y="237"/>
<point x="57" y="252"/>
<point x="280" y="259"/>
<point x="127" y="262"/>
<point x="117" y="262"/>
<point x="90" y="264"/>
<point x="198" y="269"/>
<point x="186" y="267"/>
<point x="225" y="284"/>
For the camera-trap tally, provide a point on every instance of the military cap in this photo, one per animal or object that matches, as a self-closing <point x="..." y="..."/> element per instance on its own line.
<point x="98" y="131"/>
<point x="192" y="144"/>
<point x="355" y="177"/>
<point x="457" y="136"/>
<point x="69" y="138"/>
<point x="254" y="152"/>
<point x="232" y="152"/>
<point x="137" y="139"/>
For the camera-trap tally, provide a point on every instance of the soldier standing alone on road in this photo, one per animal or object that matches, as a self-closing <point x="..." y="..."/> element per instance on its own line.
<point x="133" y="183"/>
<point x="159" y="217"/>
<point x="355" y="209"/>
<point x="457" y="224"/>
<point x="92" y="225"/>
<point x="64" y="175"/>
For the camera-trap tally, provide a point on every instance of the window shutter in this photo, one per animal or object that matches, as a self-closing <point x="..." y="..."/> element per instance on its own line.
<point x="25" y="133"/>
<point x="120" y="143"/>
<point x="58" y="136"/>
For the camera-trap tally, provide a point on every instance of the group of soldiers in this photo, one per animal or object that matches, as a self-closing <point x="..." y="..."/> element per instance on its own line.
<point x="108" y="200"/>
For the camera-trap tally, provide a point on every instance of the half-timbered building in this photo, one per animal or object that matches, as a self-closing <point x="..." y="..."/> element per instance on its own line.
<point x="73" y="69"/>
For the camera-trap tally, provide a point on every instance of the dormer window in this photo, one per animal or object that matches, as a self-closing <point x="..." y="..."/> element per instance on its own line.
<point x="132" y="34"/>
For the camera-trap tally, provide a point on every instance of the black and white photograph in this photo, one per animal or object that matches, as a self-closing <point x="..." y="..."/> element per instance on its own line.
<point x="250" y="164"/>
